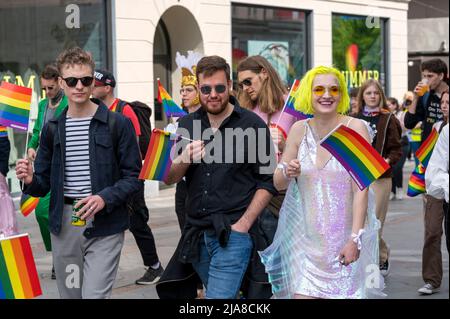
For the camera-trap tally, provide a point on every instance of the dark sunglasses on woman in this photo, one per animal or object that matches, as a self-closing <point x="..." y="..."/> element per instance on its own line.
<point x="73" y="81"/>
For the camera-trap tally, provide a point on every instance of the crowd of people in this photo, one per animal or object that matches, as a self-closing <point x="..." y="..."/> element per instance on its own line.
<point x="284" y="221"/>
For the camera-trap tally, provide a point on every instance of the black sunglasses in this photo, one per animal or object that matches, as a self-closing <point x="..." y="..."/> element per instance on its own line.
<point x="207" y="89"/>
<point x="72" y="81"/>
<point x="246" y="82"/>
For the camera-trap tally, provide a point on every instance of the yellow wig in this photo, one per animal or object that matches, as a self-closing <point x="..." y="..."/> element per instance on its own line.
<point x="304" y="98"/>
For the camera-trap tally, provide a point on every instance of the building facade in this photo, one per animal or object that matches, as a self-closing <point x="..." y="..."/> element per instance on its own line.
<point x="138" y="40"/>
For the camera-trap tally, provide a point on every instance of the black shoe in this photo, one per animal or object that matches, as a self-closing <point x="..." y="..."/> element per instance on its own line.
<point x="151" y="276"/>
<point x="53" y="273"/>
<point x="384" y="268"/>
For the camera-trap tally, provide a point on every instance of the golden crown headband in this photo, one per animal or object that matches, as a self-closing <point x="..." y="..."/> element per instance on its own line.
<point x="188" y="65"/>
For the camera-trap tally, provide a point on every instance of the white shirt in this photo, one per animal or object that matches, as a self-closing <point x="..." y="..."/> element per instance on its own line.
<point x="437" y="172"/>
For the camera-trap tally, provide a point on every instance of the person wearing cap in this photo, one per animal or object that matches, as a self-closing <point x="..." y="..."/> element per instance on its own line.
<point x="49" y="108"/>
<point x="104" y="91"/>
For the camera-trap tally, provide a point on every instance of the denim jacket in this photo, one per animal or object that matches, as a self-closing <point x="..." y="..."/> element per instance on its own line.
<point x="114" y="172"/>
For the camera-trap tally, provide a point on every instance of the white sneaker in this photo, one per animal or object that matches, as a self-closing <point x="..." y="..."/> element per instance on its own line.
<point x="428" y="289"/>
<point x="392" y="196"/>
<point x="399" y="193"/>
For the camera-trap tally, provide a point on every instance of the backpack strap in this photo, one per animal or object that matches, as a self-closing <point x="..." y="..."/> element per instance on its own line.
<point x="120" y="106"/>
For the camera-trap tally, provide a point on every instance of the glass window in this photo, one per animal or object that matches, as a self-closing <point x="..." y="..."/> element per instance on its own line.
<point x="359" y="48"/>
<point x="34" y="32"/>
<point x="280" y="35"/>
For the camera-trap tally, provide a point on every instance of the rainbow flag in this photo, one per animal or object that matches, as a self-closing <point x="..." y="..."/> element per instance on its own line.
<point x="157" y="160"/>
<point x="360" y="159"/>
<point x="28" y="204"/>
<point x="416" y="184"/>
<point x="18" y="275"/>
<point x="290" y="102"/>
<point x="170" y="107"/>
<point x="425" y="150"/>
<point x="3" y="132"/>
<point x="15" y="104"/>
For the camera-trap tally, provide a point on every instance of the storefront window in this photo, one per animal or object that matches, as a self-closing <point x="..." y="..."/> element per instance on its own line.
<point x="33" y="33"/>
<point x="359" y="49"/>
<point x="280" y="35"/>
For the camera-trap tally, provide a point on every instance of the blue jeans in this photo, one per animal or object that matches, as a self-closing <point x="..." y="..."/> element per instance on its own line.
<point x="222" y="269"/>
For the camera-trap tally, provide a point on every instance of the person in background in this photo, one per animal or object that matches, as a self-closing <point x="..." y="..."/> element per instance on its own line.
<point x="8" y="222"/>
<point x="373" y="109"/>
<point x="262" y="91"/>
<point x="142" y="233"/>
<point x="397" y="176"/>
<point x="435" y="208"/>
<point x="354" y="102"/>
<point x="190" y="101"/>
<point x="49" y="108"/>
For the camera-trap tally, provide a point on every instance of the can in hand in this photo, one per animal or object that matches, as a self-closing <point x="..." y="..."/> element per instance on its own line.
<point x="77" y="221"/>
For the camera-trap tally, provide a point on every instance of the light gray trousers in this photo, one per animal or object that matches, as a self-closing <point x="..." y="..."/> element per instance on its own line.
<point x="85" y="268"/>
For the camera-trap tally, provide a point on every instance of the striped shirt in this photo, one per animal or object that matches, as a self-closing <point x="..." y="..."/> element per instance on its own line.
<point x="77" y="176"/>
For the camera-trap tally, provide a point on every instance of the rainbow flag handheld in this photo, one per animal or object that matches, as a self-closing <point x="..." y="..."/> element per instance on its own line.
<point x="416" y="183"/>
<point x="157" y="160"/>
<point x="360" y="159"/>
<point x="18" y="275"/>
<point x="15" y="104"/>
<point x="3" y="132"/>
<point x="170" y="107"/>
<point x="290" y="101"/>
<point x="28" y="204"/>
<point x="425" y="150"/>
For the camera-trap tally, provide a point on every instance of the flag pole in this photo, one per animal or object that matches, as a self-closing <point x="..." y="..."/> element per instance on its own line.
<point x="285" y="104"/>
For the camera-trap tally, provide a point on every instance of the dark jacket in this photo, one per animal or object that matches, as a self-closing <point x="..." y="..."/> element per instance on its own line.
<point x="115" y="165"/>
<point x="388" y="139"/>
<point x="5" y="148"/>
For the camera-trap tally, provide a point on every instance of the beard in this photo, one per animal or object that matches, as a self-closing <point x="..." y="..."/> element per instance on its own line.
<point x="214" y="111"/>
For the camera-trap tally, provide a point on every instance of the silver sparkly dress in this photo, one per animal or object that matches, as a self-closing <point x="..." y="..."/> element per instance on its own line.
<point x="315" y="223"/>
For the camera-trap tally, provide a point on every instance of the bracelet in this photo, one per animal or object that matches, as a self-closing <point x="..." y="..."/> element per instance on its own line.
<point x="283" y="166"/>
<point x="357" y="238"/>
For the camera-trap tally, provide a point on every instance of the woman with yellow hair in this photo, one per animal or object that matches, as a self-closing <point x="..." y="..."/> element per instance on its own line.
<point x="322" y="248"/>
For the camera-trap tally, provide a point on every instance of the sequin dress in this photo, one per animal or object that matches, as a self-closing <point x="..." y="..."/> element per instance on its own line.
<point x="315" y="224"/>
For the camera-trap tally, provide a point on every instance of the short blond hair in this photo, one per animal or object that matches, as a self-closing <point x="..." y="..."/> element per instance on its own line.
<point x="304" y="98"/>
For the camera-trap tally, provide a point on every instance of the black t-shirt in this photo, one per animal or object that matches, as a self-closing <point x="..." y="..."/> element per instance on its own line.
<point x="428" y="114"/>
<point x="373" y="122"/>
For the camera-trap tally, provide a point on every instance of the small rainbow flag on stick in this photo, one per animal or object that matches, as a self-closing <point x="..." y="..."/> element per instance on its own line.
<point x="360" y="159"/>
<point x="416" y="184"/>
<point x="157" y="160"/>
<point x="28" y="204"/>
<point x="425" y="150"/>
<point x="18" y="275"/>
<point x="3" y="132"/>
<point x="15" y="104"/>
<point x="171" y="109"/>
<point x="290" y="102"/>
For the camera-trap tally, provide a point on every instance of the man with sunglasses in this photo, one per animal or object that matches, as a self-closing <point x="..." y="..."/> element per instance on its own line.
<point x="89" y="159"/>
<point x="224" y="198"/>
<point x="49" y="108"/>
